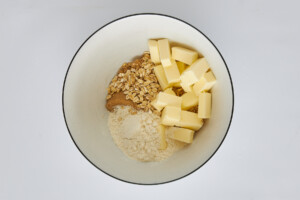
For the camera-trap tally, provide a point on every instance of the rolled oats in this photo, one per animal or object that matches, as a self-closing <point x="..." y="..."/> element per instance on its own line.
<point x="138" y="82"/>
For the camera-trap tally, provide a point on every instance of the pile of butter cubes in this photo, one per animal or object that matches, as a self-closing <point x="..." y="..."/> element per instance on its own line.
<point x="180" y="68"/>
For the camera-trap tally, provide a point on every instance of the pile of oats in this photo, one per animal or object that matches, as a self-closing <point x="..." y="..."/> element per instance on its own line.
<point x="138" y="82"/>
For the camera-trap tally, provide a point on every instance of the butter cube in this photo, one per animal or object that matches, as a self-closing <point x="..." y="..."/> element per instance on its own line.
<point x="195" y="72"/>
<point x="156" y="106"/>
<point x="189" y="100"/>
<point x="184" y="55"/>
<point x="205" y="84"/>
<point x="154" y="53"/>
<point x="204" y="106"/>
<point x="198" y="87"/>
<point x="172" y="73"/>
<point x="180" y="134"/>
<point x="189" y="120"/>
<point x="170" y="115"/>
<point x="177" y="84"/>
<point x="169" y="91"/>
<point x="162" y="134"/>
<point x="186" y="88"/>
<point x="164" y="52"/>
<point x="181" y="66"/>
<point x="164" y="99"/>
<point x="161" y="77"/>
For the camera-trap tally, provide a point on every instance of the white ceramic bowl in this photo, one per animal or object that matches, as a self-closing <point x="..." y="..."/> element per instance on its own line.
<point x="91" y="70"/>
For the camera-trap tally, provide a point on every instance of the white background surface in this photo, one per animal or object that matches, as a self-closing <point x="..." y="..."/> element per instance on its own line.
<point x="260" y="156"/>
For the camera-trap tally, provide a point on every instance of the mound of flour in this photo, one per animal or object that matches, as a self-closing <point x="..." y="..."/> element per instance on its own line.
<point x="136" y="135"/>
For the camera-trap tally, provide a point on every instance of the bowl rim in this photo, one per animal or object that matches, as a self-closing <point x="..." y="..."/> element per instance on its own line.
<point x="66" y="75"/>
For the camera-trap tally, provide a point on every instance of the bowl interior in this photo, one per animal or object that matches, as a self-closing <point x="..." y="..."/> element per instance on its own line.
<point x="85" y="90"/>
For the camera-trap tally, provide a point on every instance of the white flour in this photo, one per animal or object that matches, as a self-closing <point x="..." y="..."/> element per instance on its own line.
<point x="136" y="135"/>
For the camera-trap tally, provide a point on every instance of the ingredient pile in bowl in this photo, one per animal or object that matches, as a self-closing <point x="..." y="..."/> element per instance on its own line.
<point x="159" y="101"/>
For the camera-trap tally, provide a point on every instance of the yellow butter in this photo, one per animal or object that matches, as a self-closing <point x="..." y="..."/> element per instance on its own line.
<point x="164" y="52"/>
<point x="161" y="77"/>
<point x="169" y="91"/>
<point x="204" y="105"/>
<point x="195" y="72"/>
<point x="177" y="84"/>
<point x="205" y="84"/>
<point x="184" y="55"/>
<point x="156" y="106"/>
<point x="181" y="66"/>
<point x="164" y="99"/>
<point x="162" y="143"/>
<point x="180" y="134"/>
<point x="170" y="115"/>
<point x="153" y="49"/>
<point x="198" y="87"/>
<point x="189" y="120"/>
<point x="186" y="88"/>
<point x="189" y="100"/>
<point x="172" y="73"/>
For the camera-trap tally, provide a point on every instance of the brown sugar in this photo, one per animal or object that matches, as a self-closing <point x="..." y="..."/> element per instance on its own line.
<point x="118" y="99"/>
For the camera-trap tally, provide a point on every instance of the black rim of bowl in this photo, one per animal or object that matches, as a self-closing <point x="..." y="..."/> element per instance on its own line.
<point x="63" y="108"/>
